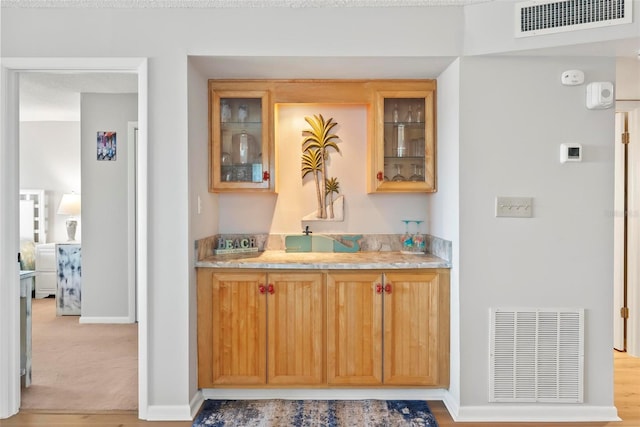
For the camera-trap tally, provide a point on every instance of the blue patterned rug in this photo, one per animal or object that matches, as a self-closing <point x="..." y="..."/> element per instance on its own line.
<point x="316" y="413"/>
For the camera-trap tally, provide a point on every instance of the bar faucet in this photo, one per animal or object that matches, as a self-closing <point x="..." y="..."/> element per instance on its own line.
<point x="306" y="231"/>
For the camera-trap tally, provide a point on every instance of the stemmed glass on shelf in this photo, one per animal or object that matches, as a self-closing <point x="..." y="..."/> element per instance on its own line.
<point x="417" y="174"/>
<point x="398" y="176"/>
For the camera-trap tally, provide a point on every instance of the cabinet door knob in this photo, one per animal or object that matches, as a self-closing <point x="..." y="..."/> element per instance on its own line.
<point x="266" y="176"/>
<point x="380" y="176"/>
<point x="262" y="289"/>
<point x="387" y="288"/>
<point x="271" y="289"/>
<point x="378" y="288"/>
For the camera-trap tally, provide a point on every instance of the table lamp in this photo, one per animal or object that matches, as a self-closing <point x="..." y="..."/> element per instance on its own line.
<point x="70" y="206"/>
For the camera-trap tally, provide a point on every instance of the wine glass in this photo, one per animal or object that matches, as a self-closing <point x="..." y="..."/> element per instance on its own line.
<point x="398" y="176"/>
<point x="418" y="239"/>
<point x="409" y="117"/>
<point x="417" y="174"/>
<point x="406" y="239"/>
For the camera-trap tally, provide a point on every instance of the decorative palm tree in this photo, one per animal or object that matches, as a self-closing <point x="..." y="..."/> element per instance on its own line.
<point x="312" y="163"/>
<point x="331" y="186"/>
<point x="319" y="138"/>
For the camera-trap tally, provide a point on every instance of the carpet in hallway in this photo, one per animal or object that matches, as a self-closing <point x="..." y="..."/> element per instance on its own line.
<point x="81" y="367"/>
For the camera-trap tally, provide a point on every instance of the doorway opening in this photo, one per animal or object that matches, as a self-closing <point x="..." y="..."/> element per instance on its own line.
<point x="9" y="218"/>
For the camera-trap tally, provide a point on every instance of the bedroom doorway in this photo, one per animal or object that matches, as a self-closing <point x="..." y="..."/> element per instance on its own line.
<point x="59" y="116"/>
<point x="9" y="218"/>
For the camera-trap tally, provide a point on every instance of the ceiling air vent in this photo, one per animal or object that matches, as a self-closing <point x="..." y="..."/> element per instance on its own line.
<point x="539" y="17"/>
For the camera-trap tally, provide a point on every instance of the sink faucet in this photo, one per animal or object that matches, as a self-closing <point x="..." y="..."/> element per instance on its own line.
<point x="306" y="231"/>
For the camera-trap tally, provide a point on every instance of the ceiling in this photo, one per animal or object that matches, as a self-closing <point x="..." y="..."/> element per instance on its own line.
<point x="233" y="3"/>
<point x="55" y="96"/>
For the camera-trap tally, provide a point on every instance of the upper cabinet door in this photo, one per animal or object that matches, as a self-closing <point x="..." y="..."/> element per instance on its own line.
<point x="403" y="147"/>
<point x="240" y="135"/>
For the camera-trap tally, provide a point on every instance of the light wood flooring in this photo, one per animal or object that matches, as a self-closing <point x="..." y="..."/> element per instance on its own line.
<point x="627" y="400"/>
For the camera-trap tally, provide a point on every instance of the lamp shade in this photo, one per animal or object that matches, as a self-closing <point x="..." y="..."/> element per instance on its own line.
<point x="70" y="204"/>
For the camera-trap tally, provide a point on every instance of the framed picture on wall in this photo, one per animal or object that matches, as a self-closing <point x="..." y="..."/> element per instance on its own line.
<point x="106" y="146"/>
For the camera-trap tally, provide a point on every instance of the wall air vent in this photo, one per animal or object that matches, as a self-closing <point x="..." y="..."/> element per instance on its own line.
<point x="537" y="355"/>
<point x="539" y="17"/>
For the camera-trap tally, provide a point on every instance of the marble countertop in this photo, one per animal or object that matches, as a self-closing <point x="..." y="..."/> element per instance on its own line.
<point x="279" y="259"/>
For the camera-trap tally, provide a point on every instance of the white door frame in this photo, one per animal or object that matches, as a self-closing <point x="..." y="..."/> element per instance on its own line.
<point x="132" y="155"/>
<point x="633" y="235"/>
<point x="9" y="220"/>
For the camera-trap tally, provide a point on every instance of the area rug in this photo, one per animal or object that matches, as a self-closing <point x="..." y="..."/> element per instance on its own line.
<point x="315" y="413"/>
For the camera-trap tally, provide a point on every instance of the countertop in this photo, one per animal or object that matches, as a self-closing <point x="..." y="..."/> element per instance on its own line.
<point x="279" y="259"/>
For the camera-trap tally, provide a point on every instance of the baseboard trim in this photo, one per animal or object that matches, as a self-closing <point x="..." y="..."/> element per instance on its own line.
<point x="196" y="403"/>
<point x="451" y="403"/>
<point x="169" y="413"/>
<point x="324" y="394"/>
<point x="534" y="413"/>
<point x="95" y="319"/>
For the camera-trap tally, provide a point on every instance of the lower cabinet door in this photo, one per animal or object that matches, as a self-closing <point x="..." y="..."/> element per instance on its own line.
<point x="296" y="330"/>
<point x="354" y="328"/>
<point x="411" y="329"/>
<point x="232" y="328"/>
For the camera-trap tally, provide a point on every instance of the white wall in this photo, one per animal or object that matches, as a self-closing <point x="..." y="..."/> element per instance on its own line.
<point x="203" y="222"/>
<point x="510" y="134"/>
<point x="50" y="160"/>
<point x="444" y="207"/>
<point x="628" y="79"/>
<point x="105" y="260"/>
<point x="489" y="134"/>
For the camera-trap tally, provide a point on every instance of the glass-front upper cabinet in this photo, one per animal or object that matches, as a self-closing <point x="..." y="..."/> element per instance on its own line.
<point x="403" y="153"/>
<point x="239" y="140"/>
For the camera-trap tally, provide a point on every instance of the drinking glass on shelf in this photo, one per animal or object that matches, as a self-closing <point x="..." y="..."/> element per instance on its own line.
<point x="225" y="111"/>
<point x="394" y="114"/>
<point x="226" y="158"/>
<point x="243" y="113"/>
<point x="398" y="176"/>
<point x="417" y="173"/>
<point x="419" y="113"/>
<point x="409" y="117"/>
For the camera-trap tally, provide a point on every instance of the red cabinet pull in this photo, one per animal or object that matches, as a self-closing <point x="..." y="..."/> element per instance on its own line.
<point x="265" y="176"/>
<point x="271" y="289"/>
<point x="380" y="176"/>
<point x="378" y="288"/>
<point x="387" y="288"/>
<point x="262" y="289"/>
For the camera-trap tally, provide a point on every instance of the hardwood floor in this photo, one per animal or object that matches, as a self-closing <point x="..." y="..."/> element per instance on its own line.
<point x="627" y="400"/>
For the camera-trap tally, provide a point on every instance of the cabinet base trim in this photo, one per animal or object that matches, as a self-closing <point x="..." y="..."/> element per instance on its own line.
<point x="325" y="394"/>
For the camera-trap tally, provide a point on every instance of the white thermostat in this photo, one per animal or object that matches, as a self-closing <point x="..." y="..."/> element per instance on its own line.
<point x="570" y="152"/>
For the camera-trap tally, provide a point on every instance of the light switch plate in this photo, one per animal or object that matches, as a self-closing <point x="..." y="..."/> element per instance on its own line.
<point x="517" y="207"/>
